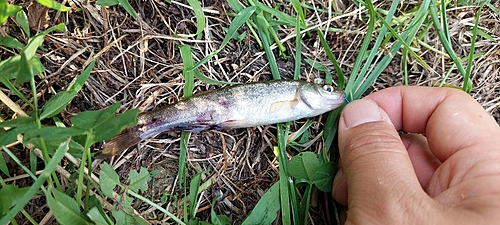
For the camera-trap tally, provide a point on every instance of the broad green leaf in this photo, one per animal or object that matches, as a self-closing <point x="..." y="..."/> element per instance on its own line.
<point x="77" y="85"/>
<point x="96" y="217"/>
<point x="27" y="65"/>
<point x="126" y="5"/>
<point x="33" y="44"/>
<point x="36" y="66"/>
<point x="20" y="121"/>
<point x="304" y="166"/>
<point x="107" y="2"/>
<point x="197" y="221"/>
<point x="10" y="195"/>
<point x="9" y="68"/>
<point x="64" y="208"/>
<point x="265" y="212"/>
<point x="122" y="218"/>
<point x="57" y="104"/>
<point x="22" y="19"/>
<point x="11" y="42"/>
<point x="139" y="181"/>
<point x="114" y="126"/>
<point x="96" y="205"/>
<point x="52" y="4"/>
<point x="10" y="136"/>
<point x="75" y="148"/>
<point x="7" y="10"/>
<point x="48" y="133"/>
<point x="323" y="177"/>
<point x="25" y="71"/>
<point x="126" y="202"/>
<point x="218" y="219"/>
<point x="91" y="119"/>
<point x="194" y="184"/>
<point x="108" y="179"/>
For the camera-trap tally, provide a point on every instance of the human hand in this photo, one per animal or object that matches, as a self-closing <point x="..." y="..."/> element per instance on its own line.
<point x="449" y="176"/>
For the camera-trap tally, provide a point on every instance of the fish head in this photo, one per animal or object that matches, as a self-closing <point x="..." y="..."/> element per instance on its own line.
<point x="321" y="97"/>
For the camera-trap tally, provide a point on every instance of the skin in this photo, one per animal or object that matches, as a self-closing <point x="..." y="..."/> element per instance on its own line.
<point x="449" y="176"/>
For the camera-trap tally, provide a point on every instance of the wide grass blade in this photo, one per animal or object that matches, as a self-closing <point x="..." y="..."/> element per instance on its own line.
<point x="188" y="62"/>
<point x="200" y="18"/>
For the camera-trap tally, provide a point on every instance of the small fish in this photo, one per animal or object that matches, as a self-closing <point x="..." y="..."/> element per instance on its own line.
<point x="238" y="106"/>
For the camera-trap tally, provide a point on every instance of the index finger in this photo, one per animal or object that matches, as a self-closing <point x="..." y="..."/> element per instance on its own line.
<point x="450" y="118"/>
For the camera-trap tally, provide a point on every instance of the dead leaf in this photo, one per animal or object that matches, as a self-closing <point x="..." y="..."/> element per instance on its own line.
<point x="38" y="17"/>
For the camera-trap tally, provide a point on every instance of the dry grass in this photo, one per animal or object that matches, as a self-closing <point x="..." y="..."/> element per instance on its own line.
<point x="139" y="65"/>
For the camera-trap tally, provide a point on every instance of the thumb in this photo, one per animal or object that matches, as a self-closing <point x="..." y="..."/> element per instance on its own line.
<point x="375" y="164"/>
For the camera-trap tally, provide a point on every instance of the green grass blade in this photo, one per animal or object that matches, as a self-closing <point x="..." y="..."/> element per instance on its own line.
<point x="265" y="212"/>
<point x="188" y="61"/>
<point x="284" y="18"/>
<point x="51" y="4"/>
<point x="284" y="183"/>
<point x="64" y="208"/>
<point x="49" y="168"/>
<point x="22" y="19"/>
<point x="237" y="22"/>
<point x="333" y="59"/>
<point x="262" y="28"/>
<point x="444" y="37"/>
<point x="193" y="193"/>
<point x="126" y="5"/>
<point x="7" y="10"/>
<point x="156" y="206"/>
<point x="200" y="18"/>
<point x="467" y="81"/>
<point x="299" y="19"/>
<point x="236" y="5"/>
<point x="3" y="166"/>
<point x="403" y="42"/>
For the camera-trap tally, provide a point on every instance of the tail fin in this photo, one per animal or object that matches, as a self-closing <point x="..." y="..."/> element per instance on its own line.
<point x="119" y="144"/>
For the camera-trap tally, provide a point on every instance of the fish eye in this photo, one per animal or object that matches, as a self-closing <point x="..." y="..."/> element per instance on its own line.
<point x="328" y="88"/>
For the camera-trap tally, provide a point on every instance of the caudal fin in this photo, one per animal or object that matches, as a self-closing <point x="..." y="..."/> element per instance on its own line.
<point x="119" y="144"/>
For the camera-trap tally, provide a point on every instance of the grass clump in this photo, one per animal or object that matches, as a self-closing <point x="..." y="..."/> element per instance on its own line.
<point x="258" y="175"/>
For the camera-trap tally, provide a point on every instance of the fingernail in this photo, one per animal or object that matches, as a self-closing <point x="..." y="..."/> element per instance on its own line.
<point x="361" y="111"/>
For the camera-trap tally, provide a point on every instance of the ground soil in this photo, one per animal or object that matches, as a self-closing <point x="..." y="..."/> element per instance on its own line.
<point x="139" y="65"/>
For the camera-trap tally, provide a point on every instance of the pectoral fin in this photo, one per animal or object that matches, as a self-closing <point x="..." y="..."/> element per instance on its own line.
<point x="284" y="105"/>
<point x="230" y="124"/>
